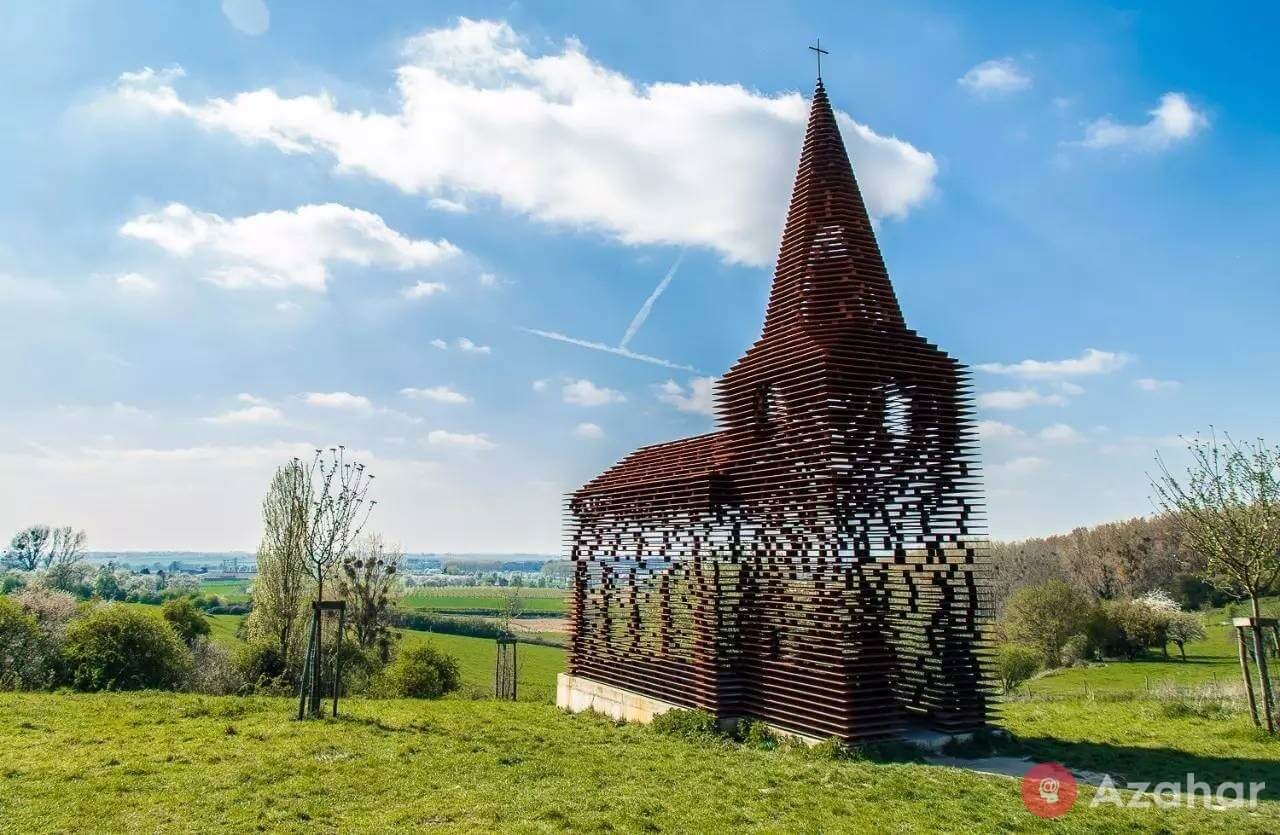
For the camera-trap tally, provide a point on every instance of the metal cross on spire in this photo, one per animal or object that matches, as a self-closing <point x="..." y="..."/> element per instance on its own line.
<point x="818" y="53"/>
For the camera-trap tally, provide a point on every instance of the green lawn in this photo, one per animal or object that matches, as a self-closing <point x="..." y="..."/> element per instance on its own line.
<point x="484" y="600"/>
<point x="167" y="763"/>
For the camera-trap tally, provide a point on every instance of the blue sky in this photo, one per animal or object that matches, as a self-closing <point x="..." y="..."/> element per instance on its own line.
<point x="233" y="231"/>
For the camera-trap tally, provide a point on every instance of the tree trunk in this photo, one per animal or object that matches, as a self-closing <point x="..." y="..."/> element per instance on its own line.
<point x="1182" y="649"/>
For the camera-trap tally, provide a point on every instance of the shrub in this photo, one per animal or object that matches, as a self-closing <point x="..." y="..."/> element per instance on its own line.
<point x="187" y="621"/>
<point x="11" y="581"/>
<point x="23" y="648"/>
<point x="1076" y="650"/>
<point x="1016" y="664"/>
<point x="212" y="671"/>
<point x="686" y="724"/>
<point x="1045" y="616"/>
<point x="51" y="609"/>
<point x="756" y="734"/>
<point x="421" y="672"/>
<point x="114" y="647"/>
<point x="263" y="668"/>
<point x="1135" y="626"/>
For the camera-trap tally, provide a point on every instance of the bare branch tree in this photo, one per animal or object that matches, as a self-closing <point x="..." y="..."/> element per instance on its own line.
<point x="1227" y="507"/>
<point x="66" y="547"/>
<point x="27" y="549"/>
<point x="371" y="585"/>
<point x="337" y="511"/>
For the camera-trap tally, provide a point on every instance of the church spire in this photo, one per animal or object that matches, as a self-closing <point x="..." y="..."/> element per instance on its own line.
<point x="830" y="275"/>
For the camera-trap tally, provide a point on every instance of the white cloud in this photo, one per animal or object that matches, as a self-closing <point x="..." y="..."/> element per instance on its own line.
<point x="468" y="347"/>
<point x="283" y="248"/>
<point x="1060" y="433"/>
<point x="587" y="393"/>
<point x="1019" y="399"/>
<point x="1069" y="388"/>
<point x="438" y="394"/>
<point x="136" y="283"/>
<point x="996" y="77"/>
<point x="540" y="385"/>
<point x="1152" y="384"/>
<point x="698" y="397"/>
<point x="1173" y="120"/>
<point x="442" y="204"/>
<point x="565" y="140"/>
<point x="1025" y="465"/>
<point x="338" y="400"/>
<point x="252" y="399"/>
<point x="254" y="415"/>
<point x="488" y="280"/>
<point x="1092" y="361"/>
<point x="440" y="343"/>
<point x="589" y="431"/>
<point x="991" y="430"/>
<point x="459" y="440"/>
<point x="423" y="290"/>
<point x="249" y="16"/>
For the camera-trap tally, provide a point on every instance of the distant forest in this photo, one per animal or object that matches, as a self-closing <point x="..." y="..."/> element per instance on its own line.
<point x="1114" y="561"/>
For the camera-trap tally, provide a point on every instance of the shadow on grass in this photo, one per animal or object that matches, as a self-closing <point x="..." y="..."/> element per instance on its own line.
<point x="1131" y="764"/>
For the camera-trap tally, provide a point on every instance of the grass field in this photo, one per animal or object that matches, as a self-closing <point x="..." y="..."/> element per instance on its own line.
<point x="164" y="762"/>
<point x="1213" y="659"/>
<point x="231" y="591"/>
<point x="484" y="600"/>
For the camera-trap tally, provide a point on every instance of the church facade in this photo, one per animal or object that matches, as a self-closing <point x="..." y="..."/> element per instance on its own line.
<point x="819" y="561"/>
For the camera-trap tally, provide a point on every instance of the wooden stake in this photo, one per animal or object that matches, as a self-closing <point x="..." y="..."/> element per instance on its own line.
<point x="1268" y="705"/>
<point x="1248" y="679"/>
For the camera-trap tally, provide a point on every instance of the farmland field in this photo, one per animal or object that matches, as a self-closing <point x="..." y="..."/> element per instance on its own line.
<point x="484" y="600"/>
<point x="231" y="591"/>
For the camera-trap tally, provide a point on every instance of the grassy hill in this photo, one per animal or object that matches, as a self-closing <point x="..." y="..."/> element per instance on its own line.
<point x="163" y="762"/>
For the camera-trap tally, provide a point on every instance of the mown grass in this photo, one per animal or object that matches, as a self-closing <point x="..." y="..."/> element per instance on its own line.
<point x="231" y="591"/>
<point x="163" y="762"/>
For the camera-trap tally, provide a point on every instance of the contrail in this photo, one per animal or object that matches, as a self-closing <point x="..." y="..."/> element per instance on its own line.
<point x="637" y="322"/>
<point x="609" y="349"/>
<point x="647" y="307"/>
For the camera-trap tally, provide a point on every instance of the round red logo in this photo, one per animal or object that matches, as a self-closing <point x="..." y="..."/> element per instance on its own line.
<point x="1048" y="790"/>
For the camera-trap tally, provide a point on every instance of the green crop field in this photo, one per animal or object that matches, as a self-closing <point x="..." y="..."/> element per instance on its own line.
<point x="484" y="600"/>
<point x="169" y="763"/>
<point x="231" y="591"/>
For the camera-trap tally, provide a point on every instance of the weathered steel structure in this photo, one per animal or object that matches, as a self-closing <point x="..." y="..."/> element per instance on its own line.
<point x="817" y="562"/>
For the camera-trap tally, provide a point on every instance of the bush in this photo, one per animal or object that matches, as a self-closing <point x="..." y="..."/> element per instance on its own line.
<point x="1076" y="650"/>
<point x="23" y="649"/>
<point x="756" y="734"/>
<point x="53" y="610"/>
<point x="1045" y="617"/>
<point x="212" y="671"/>
<point x="421" y="672"/>
<point x="1134" y="627"/>
<point x="114" y="647"/>
<point x="187" y="621"/>
<point x="263" y="668"/>
<point x="687" y="724"/>
<point x="1016" y="664"/>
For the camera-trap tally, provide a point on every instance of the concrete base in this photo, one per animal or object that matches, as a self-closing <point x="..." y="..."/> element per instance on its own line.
<point x="576" y="694"/>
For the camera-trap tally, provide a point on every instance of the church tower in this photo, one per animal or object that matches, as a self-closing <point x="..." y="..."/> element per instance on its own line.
<point x="818" y="562"/>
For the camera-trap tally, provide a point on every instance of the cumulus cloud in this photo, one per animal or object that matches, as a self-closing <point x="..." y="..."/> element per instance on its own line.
<point x="1092" y="361"/>
<point x="443" y="204"/>
<point x="438" y="394"/>
<point x="249" y="415"/>
<point x="440" y="343"/>
<point x="996" y="77"/>
<point x="1024" y="465"/>
<point x="459" y="440"/>
<point x="697" y="397"/>
<point x="991" y="430"/>
<point x="1060" y="433"/>
<point x="423" y="290"/>
<point x="1019" y="399"/>
<point x="563" y="139"/>
<point x="587" y="393"/>
<point x="540" y="385"/>
<point x="343" y="400"/>
<point x="283" y="248"/>
<point x="1173" y="120"/>
<point x="1152" y="384"/>
<point x="589" y="431"/>
<point x="136" y="283"/>
<point x="466" y="346"/>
